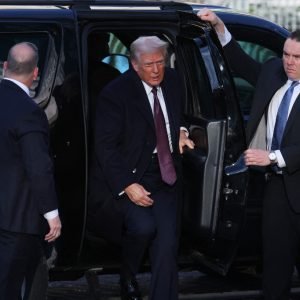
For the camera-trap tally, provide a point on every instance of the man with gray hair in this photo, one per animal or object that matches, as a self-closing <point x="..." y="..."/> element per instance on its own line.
<point x="139" y="136"/>
<point x="28" y="204"/>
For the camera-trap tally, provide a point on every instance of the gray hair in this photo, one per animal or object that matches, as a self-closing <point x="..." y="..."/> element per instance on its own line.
<point x="148" y="45"/>
<point x="22" y="63"/>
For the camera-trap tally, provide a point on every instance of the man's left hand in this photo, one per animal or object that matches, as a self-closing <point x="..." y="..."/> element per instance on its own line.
<point x="256" y="157"/>
<point x="185" y="141"/>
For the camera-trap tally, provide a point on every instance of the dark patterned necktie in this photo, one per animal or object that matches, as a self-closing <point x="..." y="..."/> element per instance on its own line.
<point x="165" y="159"/>
<point x="282" y="116"/>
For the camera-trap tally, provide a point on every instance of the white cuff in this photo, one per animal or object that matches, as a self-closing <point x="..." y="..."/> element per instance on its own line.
<point x="185" y="130"/>
<point x="225" y="37"/>
<point x="280" y="160"/>
<point x="51" y="214"/>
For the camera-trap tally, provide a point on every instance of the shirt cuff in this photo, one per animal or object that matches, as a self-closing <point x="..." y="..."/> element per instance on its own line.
<point x="186" y="131"/>
<point x="225" y="37"/>
<point x="51" y="214"/>
<point x="280" y="161"/>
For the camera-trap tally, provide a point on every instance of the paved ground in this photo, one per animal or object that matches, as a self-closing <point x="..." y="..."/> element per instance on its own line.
<point x="193" y="285"/>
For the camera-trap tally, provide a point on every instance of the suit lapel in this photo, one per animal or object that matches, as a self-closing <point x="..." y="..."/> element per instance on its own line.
<point x="140" y="99"/>
<point x="167" y="92"/>
<point x="294" y="112"/>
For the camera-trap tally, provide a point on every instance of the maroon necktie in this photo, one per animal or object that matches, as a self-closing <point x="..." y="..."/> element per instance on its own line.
<point x="165" y="159"/>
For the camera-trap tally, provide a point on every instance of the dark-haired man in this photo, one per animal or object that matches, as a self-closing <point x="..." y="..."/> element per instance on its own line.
<point x="274" y="142"/>
<point x="28" y="206"/>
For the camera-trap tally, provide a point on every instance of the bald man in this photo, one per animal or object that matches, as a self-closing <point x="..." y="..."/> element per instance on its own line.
<point x="28" y="204"/>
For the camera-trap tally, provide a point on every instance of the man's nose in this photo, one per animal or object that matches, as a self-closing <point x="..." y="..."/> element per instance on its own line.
<point x="155" y="67"/>
<point x="290" y="60"/>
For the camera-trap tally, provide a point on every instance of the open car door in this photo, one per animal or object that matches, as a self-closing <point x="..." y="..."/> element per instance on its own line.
<point x="215" y="179"/>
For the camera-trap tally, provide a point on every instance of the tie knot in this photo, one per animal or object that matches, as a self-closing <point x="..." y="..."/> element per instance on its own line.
<point x="154" y="90"/>
<point x="294" y="83"/>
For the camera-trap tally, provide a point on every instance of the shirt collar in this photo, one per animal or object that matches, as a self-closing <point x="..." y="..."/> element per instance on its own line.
<point x="19" y="84"/>
<point x="149" y="88"/>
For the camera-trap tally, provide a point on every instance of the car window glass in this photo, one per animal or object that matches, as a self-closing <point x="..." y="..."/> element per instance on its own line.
<point x="7" y="40"/>
<point x="201" y="78"/>
<point x="244" y="89"/>
<point x="48" y="60"/>
<point x="119" y="54"/>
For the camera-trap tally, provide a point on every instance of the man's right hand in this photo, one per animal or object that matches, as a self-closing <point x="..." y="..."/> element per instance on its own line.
<point x="207" y="15"/>
<point x="138" y="195"/>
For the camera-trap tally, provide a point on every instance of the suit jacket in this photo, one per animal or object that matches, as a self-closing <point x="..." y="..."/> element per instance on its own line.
<point x="125" y="134"/>
<point x="268" y="78"/>
<point x="26" y="173"/>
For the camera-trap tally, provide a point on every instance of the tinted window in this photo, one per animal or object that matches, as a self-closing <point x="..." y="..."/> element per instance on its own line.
<point x="197" y="62"/>
<point x="48" y="60"/>
<point x="244" y="89"/>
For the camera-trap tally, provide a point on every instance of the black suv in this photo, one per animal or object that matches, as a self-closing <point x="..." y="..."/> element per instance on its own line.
<point x="222" y="205"/>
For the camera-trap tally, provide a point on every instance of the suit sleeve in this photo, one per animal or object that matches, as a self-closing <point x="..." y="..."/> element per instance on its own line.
<point x="291" y="157"/>
<point x="33" y="139"/>
<point x="109" y="142"/>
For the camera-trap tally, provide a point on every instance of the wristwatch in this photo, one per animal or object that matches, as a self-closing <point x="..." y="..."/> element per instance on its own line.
<point x="272" y="157"/>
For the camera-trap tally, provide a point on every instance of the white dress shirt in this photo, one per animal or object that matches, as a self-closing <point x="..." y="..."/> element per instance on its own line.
<point x="272" y="113"/>
<point x="161" y="99"/>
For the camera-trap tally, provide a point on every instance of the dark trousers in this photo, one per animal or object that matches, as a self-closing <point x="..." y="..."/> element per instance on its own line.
<point x="156" y="227"/>
<point x="20" y="255"/>
<point x="281" y="236"/>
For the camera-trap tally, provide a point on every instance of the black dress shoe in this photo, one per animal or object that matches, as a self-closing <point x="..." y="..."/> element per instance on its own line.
<point x="130" y="289"/>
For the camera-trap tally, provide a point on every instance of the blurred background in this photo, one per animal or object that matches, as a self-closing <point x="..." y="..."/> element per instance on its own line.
<point x="283" y="12"/>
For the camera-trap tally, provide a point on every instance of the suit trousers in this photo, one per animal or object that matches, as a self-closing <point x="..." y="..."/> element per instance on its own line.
<point x="20" y="256"/>
<point x="281" y="237"/>
<point x="156" y="227"/>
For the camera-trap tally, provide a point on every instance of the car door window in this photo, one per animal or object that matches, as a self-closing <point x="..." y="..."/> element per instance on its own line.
<point x="48" y="60"/>
<point x="244" y="89"/>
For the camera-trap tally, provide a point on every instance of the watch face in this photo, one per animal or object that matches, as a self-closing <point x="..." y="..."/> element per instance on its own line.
<point x="272" y="156"/>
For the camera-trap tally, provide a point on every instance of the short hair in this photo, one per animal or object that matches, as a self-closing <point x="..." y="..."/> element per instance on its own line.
<point x="295" y="35"/>
<point x="148" y="45"/>
<point x="22" y="65"/>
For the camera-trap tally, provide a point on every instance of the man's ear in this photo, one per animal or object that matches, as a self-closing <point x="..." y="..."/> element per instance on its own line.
<point x="135" y="65"/>
<point x="4" y="65"/>
<point x="35" y="73"/>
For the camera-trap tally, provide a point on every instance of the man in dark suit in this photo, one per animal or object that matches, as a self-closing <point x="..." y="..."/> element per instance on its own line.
<point x="28" y="198"/>
<point x="132" y="171"/>
<point x="274" y="142"/>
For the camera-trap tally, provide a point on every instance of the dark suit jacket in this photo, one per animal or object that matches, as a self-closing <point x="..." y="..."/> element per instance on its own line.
<point x="268" y="78"/>
<point x="26" y="174"/>
<point x="125" y="134"/>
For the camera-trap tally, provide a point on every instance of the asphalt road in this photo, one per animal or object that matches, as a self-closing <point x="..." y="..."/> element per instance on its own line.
<point x="193" y="285"/>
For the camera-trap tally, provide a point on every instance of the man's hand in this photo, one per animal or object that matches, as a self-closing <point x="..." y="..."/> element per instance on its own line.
<point x="256" y="157"/>
<point x="207" y="15"/>
<point x="138" y="195"/>
<point x="55" y="229"/>
<point x="185" y="141"/>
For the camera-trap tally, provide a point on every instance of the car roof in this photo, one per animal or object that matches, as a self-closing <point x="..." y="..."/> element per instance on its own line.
<point x="232" y="17"/>
<point x="63" y="4"/>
